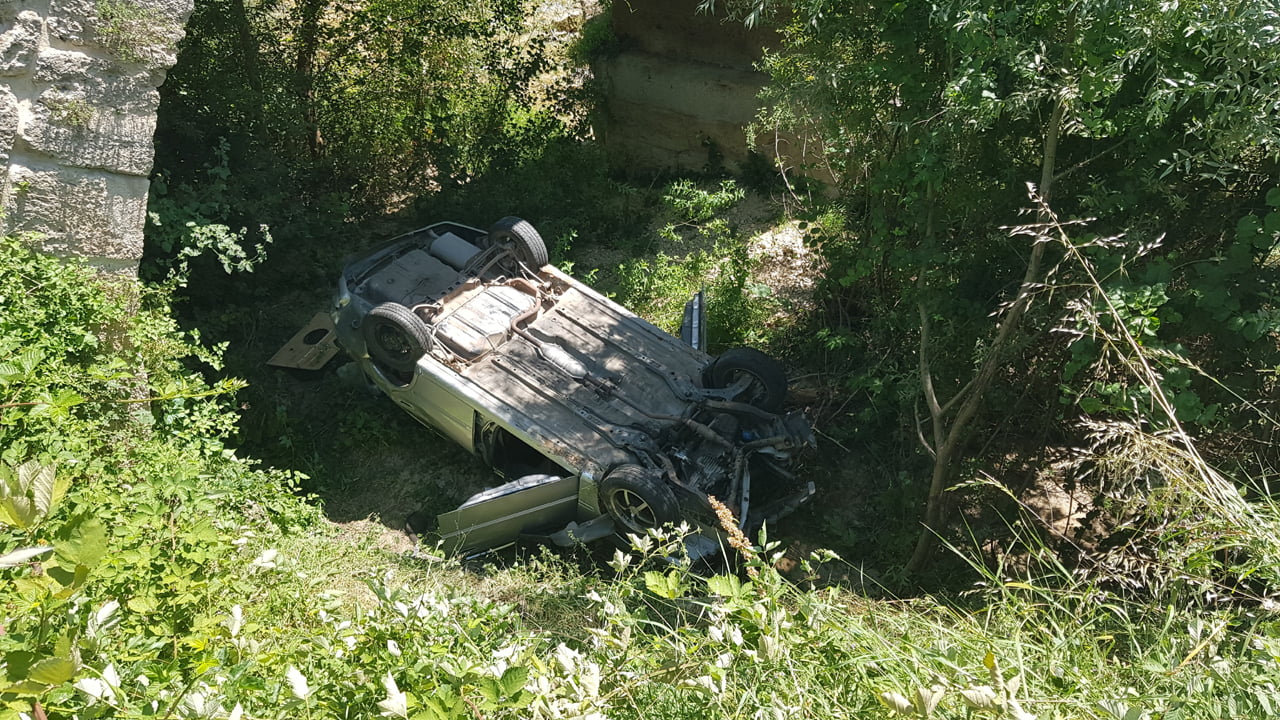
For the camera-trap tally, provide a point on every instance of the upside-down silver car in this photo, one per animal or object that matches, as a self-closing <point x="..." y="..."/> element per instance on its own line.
<point x="600" y="422"/>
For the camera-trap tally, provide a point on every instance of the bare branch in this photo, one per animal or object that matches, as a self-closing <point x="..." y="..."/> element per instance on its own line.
<point x="1086" y="161"/>
<point x="920" y="433"/>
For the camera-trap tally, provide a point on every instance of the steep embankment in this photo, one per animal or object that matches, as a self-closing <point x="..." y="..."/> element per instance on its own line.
<point x="148" y="571"/>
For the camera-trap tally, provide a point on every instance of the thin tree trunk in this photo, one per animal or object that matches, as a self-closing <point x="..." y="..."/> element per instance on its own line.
<point x="250" y="54"/>
<point x="949" y="437"/>
<point x="304" y="68"/>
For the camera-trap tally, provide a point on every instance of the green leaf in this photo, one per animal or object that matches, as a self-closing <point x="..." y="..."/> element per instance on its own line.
<point x="927" y="699"/>
<point x="143" y="604"/>
<point x="1092" y="405"/>
<point x="70" y="579"/>
<point x="62" y="646"/>
<point x="26" y="688"/>
<point x="82" y="541"/>
<point x="17" y="664"/>
<point x="28" y="493"/>
<point x="53" y="671"/>
<point x="1273" y="197"/>
<point x="513" y="680"/>
<point x="896" y="702"/>
<point x="30" y="359"/>
<point x="982" y="697"/>
<point x="1270" y="223"/>
<point x="443" y="704"/>
<point x="34" y="588"/>
<point x="1247" y="228"/>
<point x="667" y="585"/>
<point x="17" y="511"/>
<point x="68" y="398"/>
<point x="725" y="586"/>
<point x="1187" y="405"/>
<point x="1120" y="710"/>
<point x="490" y="690"/>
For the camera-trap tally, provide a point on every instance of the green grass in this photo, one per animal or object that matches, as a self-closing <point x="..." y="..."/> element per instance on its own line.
<point x="662" y="642"/>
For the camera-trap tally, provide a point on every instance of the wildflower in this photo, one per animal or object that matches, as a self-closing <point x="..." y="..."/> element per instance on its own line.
<point x="267" y="560"/>
<point x="737" y="540"/>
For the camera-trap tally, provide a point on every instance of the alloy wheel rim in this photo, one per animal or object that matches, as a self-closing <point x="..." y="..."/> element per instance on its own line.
<point x="633" y="510"/>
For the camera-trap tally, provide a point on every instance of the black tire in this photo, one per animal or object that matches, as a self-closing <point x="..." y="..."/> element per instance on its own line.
<point x="768" y="387"/>
<point x="522" y="239"/>
<point x="395" y="336"/>
<point x="637" y="499"/>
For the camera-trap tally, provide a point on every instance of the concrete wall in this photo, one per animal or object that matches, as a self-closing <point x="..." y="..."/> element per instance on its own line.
<point x="682" y="86"/>
<point x="78" y="103"/>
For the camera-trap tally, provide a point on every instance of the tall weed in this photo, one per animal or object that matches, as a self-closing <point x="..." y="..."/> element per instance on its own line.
<point x="1189" y="525"/>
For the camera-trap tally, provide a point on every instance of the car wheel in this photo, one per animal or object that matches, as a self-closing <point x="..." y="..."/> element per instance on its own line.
<point x="395" y="336"/>
<point x="521" y="238"/>
<point x="638" y="499"/>
<point x="767" y="386"/>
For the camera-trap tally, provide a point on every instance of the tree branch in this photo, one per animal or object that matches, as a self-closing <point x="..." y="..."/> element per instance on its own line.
<point x="1086" y="161"/>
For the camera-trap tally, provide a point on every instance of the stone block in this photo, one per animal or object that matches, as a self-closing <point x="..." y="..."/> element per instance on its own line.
<point x="78" y="212"/>
<point x="676" y="114"/>
<point x="19" y="44"/>
<point x="137" y="32"/>
<point x="8" y="123"/>
<point x="9" y="10"/>
<point x="94" y="114"/>
<point x="78" y="101"/>
<point x="698" y="90"/>
<point x="644" y="137"/>
<point x="70" y="20"/>
<point x="100" y="77"/>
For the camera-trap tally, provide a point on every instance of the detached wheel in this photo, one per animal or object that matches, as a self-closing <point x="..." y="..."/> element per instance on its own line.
<point x="521" y="238"/>
<point x="395" y="336"/>
<point x="638" y="499"/>
<point x="767" y="386"/>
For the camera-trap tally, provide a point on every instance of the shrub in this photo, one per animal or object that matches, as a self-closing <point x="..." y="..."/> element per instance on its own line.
<point x="121" y="504"/>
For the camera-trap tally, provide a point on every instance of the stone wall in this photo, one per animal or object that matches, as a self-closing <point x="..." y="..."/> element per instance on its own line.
<point x="78" y="99"/>
<point x="682" y="90"/>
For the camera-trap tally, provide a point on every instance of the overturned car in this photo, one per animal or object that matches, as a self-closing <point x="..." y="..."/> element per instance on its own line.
<point x="600" y="422"/>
